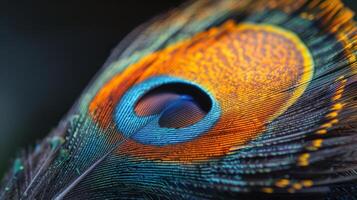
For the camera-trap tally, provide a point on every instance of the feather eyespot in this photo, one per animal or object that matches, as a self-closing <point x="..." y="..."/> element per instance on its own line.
<point x="236" y="69"/>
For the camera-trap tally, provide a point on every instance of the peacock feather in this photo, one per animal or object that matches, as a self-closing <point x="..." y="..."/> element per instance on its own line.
<point x="213" y="100"/>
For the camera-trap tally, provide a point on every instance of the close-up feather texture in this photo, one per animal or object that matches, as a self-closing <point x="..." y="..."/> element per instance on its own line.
<point x="211" y="100"/>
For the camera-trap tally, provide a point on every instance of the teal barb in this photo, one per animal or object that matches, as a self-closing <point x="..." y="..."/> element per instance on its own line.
<point x="213" y="100"/>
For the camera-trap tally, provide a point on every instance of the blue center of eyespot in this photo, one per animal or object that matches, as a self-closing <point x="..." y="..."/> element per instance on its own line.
<point x="175" y="111"/>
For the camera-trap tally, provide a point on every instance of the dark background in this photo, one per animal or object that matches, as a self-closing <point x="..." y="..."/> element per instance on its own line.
<point x="48" y="53"/>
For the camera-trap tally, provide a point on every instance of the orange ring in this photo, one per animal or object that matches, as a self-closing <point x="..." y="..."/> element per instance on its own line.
<point x="243" y="66"/>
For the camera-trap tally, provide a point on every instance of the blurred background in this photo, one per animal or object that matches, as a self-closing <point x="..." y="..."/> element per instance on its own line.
<point x="49" y="51"/>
